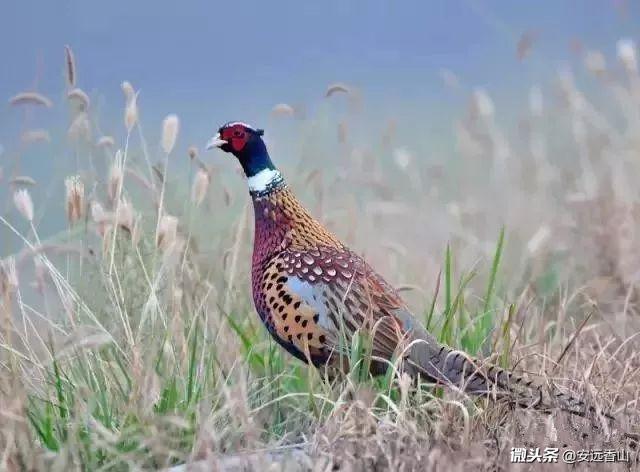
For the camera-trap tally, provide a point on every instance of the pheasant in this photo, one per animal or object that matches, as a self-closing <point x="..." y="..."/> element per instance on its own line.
<point x="313" y="294"/>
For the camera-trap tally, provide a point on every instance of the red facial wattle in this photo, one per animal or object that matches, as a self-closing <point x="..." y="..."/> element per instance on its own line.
<point x="236" y="136"/>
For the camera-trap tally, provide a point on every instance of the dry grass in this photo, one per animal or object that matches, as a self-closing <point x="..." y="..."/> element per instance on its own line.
<point x="129" y="340"/>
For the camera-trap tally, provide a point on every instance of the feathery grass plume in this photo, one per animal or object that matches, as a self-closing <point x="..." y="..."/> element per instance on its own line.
<point x="129" y="91"/>
<point x="74" y="198"/>
<point x="481" y="104"/>
<point x="283" y="109"/>
<point x="24" y="204"/>
<point x="525" y="44"/>
<point x="126" y="215"/>
<point x="200" y="186"/>
<point x="192" y="152"/>
<point x="80" y="128"/>
<point x="35" y="136"/>
<point x="131" y="107"/>
<point x="40" y="272"/>
<point x="536" y="102"/>
<point x="449" y="79"/>
<point x="595" y="63"/>
<point x="170" y="127"/>
<point x="102" y="218"/>
<point x="131" y="115"/>
<point x="538" y="239"/>
<point x="337" y="87"/>
<point x="8" y="276"/>
<point x="105" y="142"/>
<point x="70" y="62"/>
<point x="80" y="97"/>
<point x="167" y="232"/>
<point x="30" y="98"/>
<point x="626" y="50"/>
<point x="22" y="180"/>
<point x="116" y="174"/>
<point x="402" y="157"/>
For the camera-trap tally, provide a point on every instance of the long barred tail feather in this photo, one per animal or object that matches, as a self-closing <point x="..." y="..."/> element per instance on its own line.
<point x="444" y="365"/>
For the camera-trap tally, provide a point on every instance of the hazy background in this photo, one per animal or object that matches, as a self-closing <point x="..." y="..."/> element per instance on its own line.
<point x="210" y="62"/>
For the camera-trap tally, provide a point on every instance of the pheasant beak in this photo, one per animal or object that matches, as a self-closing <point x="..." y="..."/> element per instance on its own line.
<point x="215" y="142"/>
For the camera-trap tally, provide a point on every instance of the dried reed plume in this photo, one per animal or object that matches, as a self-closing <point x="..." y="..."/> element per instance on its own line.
<point x="337" y="87"/>
<point x="200" y="186"/>
<point x="75" y="202"/>
<point x="481" y="104"/>
<point x="70" y="62"/>
<point x="101" y="218"/>
<point x="283" y="109"/>
<point x="24" y="204"/>
<point x="402" y="157"/>
<point x="536" y="102"/>
<point x="626" y="50"/>
<point x="167" y="232"/>
<point x="78" y="95"/>
<point x="116" y="174"/>
<point x="170" y="127"/>
<point x="192" y="152"/>
<point x="35" y="136"/>
<point x="105" y="141"/>
<point x="129" y="91"/>
<point x="125" y="215"/>
<point x="131" y="108"/>
<point x="30" y="98"/>
<point x="22" y="180"/>
<point x="80" y="127"/>
<point x="595" y="63"/>
<point x="8" y="277"/>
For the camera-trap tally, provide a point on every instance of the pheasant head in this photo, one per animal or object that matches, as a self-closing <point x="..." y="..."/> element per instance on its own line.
<point x="246" y="144"/>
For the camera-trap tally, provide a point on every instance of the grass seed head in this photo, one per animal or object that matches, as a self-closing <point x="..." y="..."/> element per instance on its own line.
<point x="126" y="215"/>
<point x="337" y="87"/>
<point x="40" y="272"/>
<point x="75" y="202"/>
<point x="283" y="109"/>
<point x="24" y="204"/>
<point x="131" y="114"/>
<point x="626" y="50"/>
<point x="481" y="104"/>
<point x="8" y="277"/>
<point x="70" y="62"/>
<point x="105" y="142"/>
<point x="80" y="128"/>
<point x="170" y="127"/>
<point x="167" y="232"/>
<point x="402" y="158"/>
<point x="101" y="218"/>
<point x="595" y="63"/>
<point x="30" y="98"/>
<point x="536" y="102"/>
<point x="129" y="92"/>
<point x="116" y="174"/>
<point x="80" y="97"/>
<point x="200" y="186"/>
<point x="22" y="180"/>
<point x="192" y="152"/>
